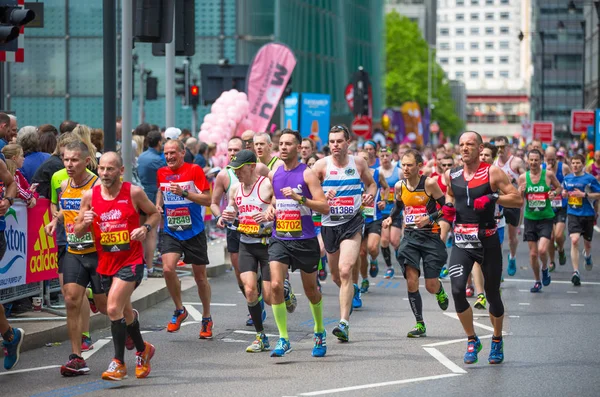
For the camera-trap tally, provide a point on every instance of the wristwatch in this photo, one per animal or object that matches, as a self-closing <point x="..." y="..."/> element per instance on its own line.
<point x="148" y="227"/>
<point x="184" y="194"/>
<point x="302" y="200"/>
<point x="11" y="200"/>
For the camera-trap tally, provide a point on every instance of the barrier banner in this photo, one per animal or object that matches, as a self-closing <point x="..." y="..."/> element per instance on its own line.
<point x="42" y="252"/>
<point x="268" y="75"/>
<point x="13" y="266"/>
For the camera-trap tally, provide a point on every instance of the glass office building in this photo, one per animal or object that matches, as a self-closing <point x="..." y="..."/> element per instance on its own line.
<point x="61" y="77"/>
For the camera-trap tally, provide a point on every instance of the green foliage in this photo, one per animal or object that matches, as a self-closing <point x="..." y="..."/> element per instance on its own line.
<point x="406" y="73"/>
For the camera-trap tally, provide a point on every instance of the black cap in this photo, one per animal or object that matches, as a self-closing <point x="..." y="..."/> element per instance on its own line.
<point x="242" y="158"/>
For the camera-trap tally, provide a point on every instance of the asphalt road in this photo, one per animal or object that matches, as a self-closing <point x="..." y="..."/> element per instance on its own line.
<point x="551" y="348"/>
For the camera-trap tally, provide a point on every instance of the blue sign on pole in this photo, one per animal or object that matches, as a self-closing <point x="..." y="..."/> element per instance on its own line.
<point x="315" y="112"/>
<point x="597" y="135"/>
<point x="291" y="106"/>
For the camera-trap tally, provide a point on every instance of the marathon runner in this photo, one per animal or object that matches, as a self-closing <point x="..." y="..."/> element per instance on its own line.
<point x="393" y="233"/>
<point x="111" y="210"/>
<point x="249" y="201"/>
<point x="370" y="148"/>
<point x="539" y="187"/>
<point x="470" y="202"/>
<point x="248" y="140"/>
<point x="513" y="167"/>
<point x="184" y="190"/>
<point x="308" y="149"/>
<point x="81" y="260"/>
<point x="443" y="162"/>
<point x="263" y="147"/>
<point x="12" y="338"/>
<point x="341" y="175"/>
<point x="581" y="189"/>
<point x="294" y="244"/>
<point x="559" y="205"/>
<point x="594" y="168"/>
<point x="416" y="196"/>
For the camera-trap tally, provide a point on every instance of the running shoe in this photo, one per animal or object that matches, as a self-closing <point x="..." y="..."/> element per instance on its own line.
<point x="496" y="352"/>
<point x="206" y="328"/>
<point x="260" y="344"/>
<point x="576" y="278"/>
<point x="129" y="345"/>
<point x="442" y="299"/>
<point x="481" y="302"/>
<point x="374" y="269"/>
<point x="320" y="347"/>
<point x="546" y="279"/>
<point x="156" y="273"/>
<point x="537" y="287"/>
<point x="290" y="299"/>
<point x="444" y="272"/>
<point x="512" y="266"/>
<point x="552" y="266"/>
<point x="473" y="347"/>
<point x="142" y="361"/>
<point x="389" y="273"/>
<point x="249" y="322"/>
<point x="179" y="316"/>
<point x="419" y="331"/>
<point x="470" y="291"/>
<point x="562" y="258"/>
<point x="364" y="286"/>
<point x="283" y="347"/>
<point x="588" y="261"/>
<point x="75" y="366"/>
<point x="86" y="343"/>
<point x="116" y="371"/>
<point x="12" y="350"/>
<point x="90" y="296"/>
<point x="322" y="274"/>
<point x="356" y="300"/>
<point x="342" y="331"/>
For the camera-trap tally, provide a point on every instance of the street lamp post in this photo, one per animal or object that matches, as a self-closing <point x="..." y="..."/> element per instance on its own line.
<point x="541" y="34"/>
<point x="583" y="78"/>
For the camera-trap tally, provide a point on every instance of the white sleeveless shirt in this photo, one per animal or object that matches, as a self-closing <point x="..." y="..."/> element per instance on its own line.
<point x="248" y="205"/>
<point x="348" y="199"/>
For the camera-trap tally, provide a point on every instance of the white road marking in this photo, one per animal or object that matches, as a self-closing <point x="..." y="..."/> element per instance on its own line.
<point x="445" y="361"/>
<point x="513" y="317"/>
<point x="577" y="305"/>
<point x="404" y="299"/>
<point x="486" y="327"/>
<point x="572" y="292"/>
<point x="450" y="342"/>
<point x="99" y="344"/>
<point x="196" y="315"/>
<point x="523" y="304"/>
<point x="239" y="292"/>
<point x="524" y="290"/>
<point x="382" y="384"/>
<point x="211" y="303"/>
<point x="19" y="371"/>
<point x="518" y="280"/>
<point x="596" y="228"/>
<point x="190" y="323"/>
<point x="229" y="340"/>
<point x="254" y="333"/>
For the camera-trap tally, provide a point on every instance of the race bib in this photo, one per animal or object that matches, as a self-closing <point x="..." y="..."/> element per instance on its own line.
<point x="116" y="238"/>
<point x="248" y="225"/>
<point x="179" y="219"/>
<point x="536" y="200"/>
<point x="412" y="213"/>
<point x="466" y="236"/>
<point x="78" y="243"/>
<point x="575" y="201"/>
<point x="556" y="203"/>
<point x="369" y="210"/>
<point x="391" y="195"/>
<point x="289" y="223"/>
<point x="341" y="208"/>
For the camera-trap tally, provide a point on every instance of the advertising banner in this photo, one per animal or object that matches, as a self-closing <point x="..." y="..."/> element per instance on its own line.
<point x="580" y="119"/>
<point x="268" y="76"/>
<point x="13" y="266"/>
<point x="291" y="106"/>
<point x="543" y="131"/>
<point x="315" y="112"/>
<point x="597" y="135"/>
<point x="42" y="258"/>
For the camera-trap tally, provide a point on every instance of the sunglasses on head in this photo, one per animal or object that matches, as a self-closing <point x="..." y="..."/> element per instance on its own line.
<point x="339" y="127"/>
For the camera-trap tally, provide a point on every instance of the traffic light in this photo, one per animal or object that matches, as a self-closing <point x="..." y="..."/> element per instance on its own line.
<point x="12" y="17"/>
<point x="153" y="21"/>
<point x="182" y="83"/>
<point x="194" y="96"/>
<point x="362" y="84"/>
<point x="185" y="30"/>
<point x="151" y="88"/>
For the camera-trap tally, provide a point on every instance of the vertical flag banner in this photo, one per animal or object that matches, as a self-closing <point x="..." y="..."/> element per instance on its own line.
<point x="315" y="111"/>
<point x="291" y="106"/>
<point x="268" y="76"/>
<point x="597" y="135"/>
<point x="42" y="258"/>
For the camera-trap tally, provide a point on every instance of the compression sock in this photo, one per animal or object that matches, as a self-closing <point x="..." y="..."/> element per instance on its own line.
<point x="317" y="312"/>
<point x="387" y="256"/>
<point x="86" y="334"/>
<point x="280" y="314"/>
<point x="255" y="311"/>
<point x="241" y="287"/>
<point x="133" y="330"/>
<point x="118" y="329"/>
<point x="416" y="304"/>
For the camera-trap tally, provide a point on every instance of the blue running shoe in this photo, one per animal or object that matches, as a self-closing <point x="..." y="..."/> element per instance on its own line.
<point x="283" y="347"/>
<point x="249" y="322"/>
<point x="12" y="350"/>
<point x="389" y="273"/>
<point x="546" y="279"/>
<point x="588" y="261"/>
<point x="356" y="300"/>
<point x="537" y="287"/>
<point x="512" y="266"/>
<point x="342" y="331"/>
<point x="444" y="272"/>
<point x="320" y="347"/>
<point x="496" y="352"/>
<point x="374" y="269"/>
<point x="364" y="286"/>
<point x="473" y="347"/>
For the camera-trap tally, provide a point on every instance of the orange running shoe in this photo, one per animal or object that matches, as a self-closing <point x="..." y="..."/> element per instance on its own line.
<point x="206" y="329"/>
<point x="179" y="316"/>
<point x="142" y="363"/>
<point x="116" y="371"/>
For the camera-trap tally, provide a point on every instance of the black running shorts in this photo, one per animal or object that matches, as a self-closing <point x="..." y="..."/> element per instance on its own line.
<point x="334" y="235"/>
<point x="512" y="216"/>
<point x="194" y="249"/>
<point x="252" y="256"/>
<point x="418" y="245"/>
<point x="583" y="225"/>
<point x="560" y="215"/>
<point x="233" y="241"/>
<point x="536" y="229"/>
<point x="81" y="269"/>
<point x="297" y="254"/>
<point x="129" y="273"/>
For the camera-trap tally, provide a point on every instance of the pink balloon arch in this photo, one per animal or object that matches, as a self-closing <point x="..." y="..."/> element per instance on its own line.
<point x="227" y="118"/>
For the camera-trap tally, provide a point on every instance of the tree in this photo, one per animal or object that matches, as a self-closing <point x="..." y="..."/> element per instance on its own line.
<point x="406" y="73"/>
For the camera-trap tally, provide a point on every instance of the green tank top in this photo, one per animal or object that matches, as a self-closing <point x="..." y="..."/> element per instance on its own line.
<point x="537" y="203"/>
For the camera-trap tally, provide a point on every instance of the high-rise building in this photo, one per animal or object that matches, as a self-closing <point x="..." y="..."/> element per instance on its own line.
<point x="422" y="12"/>
<point x="478" y="44"/>
<point x="591" y="47"/>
